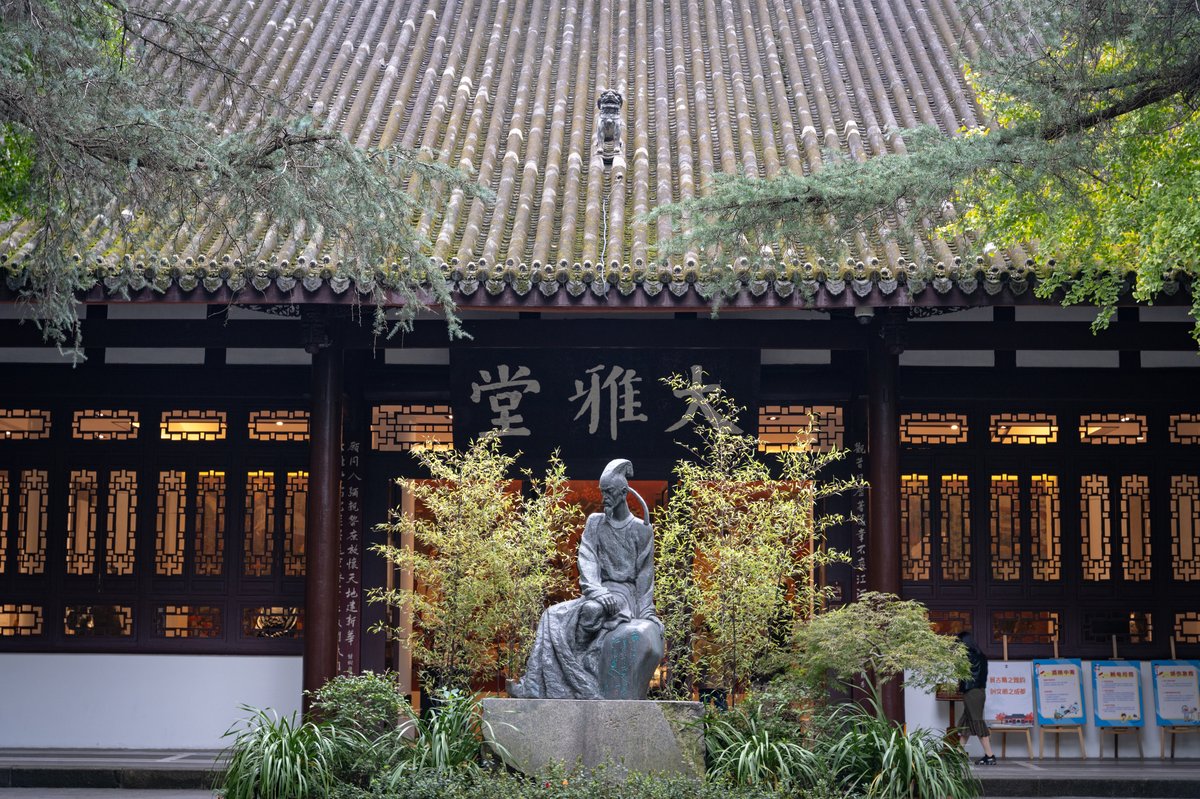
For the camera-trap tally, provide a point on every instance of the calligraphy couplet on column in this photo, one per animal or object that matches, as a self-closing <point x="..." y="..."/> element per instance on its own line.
<point x="350" y="558"/>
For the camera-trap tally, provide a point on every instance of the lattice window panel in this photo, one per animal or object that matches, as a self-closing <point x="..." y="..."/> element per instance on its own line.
<point x="81" y="522"/>
<point x="1095" y="525"/>
<point x="295" y="524"/>
<point x="951" y="622"/>
<point x="98" y="621"/>
<point x="188" y="621"/>
<point x="121" y="548"/>
<point x="170" y="524"/>
<point x="1135" y="526"/>
<point x="32" y="500"/>
<point x="1025" y="626"/>
<point x="208" y="555"/>
<point x="1185" y="428"/>
<point x="1185" y="527"/>
<point x="1112" y="428"/>
<point x="1100" y="626"/>
<point x="20" y="621"/>
<point x="279" y="425"/>
<point x="1023" y="428"/>
<point x="1045" y="527"/>
<point x="272" y="622"/>
<point x="782" y="428"/>
<point x="4" y="497"/>
<point x="400" y="428"/>
<point x="258" y="550"/>
<point x="1004" y="503"/>
<point x="105" y="425"/>
<point x="914" y="527"/>
<point x="24" y="424"/>
<point x="924" y="429"/>
<point x="955" y="502"/>
<point x="193" y="426"/>
<point x="1187" y="627"/>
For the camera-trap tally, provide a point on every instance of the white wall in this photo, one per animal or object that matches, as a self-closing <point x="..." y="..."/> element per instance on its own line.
<point x="923" y="710"/>
<point x="137" y="701"/>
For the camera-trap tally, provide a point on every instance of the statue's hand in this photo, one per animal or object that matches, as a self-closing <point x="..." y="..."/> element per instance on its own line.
<point x="611" y="604"/>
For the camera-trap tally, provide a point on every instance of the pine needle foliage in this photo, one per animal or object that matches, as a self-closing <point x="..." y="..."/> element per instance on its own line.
<point x="483" y="559"/>
<point x="737" y="545"/>
<point x="102" y="150"/>
<point x="1088" y="162"/>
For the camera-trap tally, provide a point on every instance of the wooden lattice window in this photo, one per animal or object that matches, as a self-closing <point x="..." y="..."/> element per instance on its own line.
<point x="923" y="429"/>
<point x="1005" y="522"/>
<point x="1185" y="428"/>
<point x="272" y="622"/>
<point x="105" y="425"/>
<point x="1045" y="527"/>
<point x="170" y="522"/>
<point x="1135" y="526"/>
<point x="121" y="546"/>
<point x="193" y="426"/>
<point x="1095" y="527"/>
<point x="98" y="621"/>
<point x="785" y="427"/>
<point x="258" y="550"/>
<point x="1187" y="627"/>
<point x="1112" y="428"/>
<point x="20" y="621"/>
<point x="279" y="425"/>
<point x="24" y="424"/>
<point x="1185" y="526"/>
<point x="1023" y="428"/>
<point x="209" y="553"/>
<point x="400" y="428"/>
<point x="1100" y="626"/>
<point x="955" y="495"/>
<point x="951" y="622"/>
<point x="295" y="524"/>
<point x="81" y="522"/>
<point x="914" y="524"/>
<point x="188" y="621"/>
<point x="1025" y="626"/>
<point x="31" y="531"/>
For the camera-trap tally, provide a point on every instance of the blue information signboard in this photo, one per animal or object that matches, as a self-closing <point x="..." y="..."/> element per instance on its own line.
<point x="1176" y="692"/>
<point x="1117" y="693"/>
<point x="1058" y="685"/>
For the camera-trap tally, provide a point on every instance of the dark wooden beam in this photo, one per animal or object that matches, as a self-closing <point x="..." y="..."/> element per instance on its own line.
<point x="702" y="333"/>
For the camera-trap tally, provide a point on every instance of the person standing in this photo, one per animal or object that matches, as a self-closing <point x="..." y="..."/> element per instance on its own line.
<point x="974" y="691"/>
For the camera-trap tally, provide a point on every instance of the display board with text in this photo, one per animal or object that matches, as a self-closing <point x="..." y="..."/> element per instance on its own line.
<point x="1117" y="693"/>
<point x="1176" y="692"/>
<point x="1058" y="687"/>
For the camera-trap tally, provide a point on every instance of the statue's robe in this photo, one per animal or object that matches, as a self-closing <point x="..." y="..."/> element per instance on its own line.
<point x="582" y="653"/>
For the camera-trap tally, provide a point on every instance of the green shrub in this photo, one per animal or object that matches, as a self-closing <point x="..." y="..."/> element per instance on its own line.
<point x="367" y="702"/>
<point x="449" y="738"/>
<point x="746" y="748"/>
<point x="276" y="758"/>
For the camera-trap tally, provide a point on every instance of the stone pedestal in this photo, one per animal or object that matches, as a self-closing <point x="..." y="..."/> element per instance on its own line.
<point x="623" y="735"/>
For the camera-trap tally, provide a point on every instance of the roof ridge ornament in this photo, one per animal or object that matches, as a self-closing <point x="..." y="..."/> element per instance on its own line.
<point x="610" y="129"/>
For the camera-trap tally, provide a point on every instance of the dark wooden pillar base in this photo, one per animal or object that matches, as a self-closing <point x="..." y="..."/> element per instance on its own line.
<point x="883" y="451"/>
<point x="324" y="505"/>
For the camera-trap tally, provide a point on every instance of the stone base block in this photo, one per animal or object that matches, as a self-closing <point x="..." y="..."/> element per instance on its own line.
<point x="626" y="735"/>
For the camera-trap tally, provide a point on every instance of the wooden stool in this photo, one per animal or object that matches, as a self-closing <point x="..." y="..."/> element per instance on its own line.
<point x="1163" y="732"/>
<point x="1058" y="730"/>
<point x="1004" y="732"/>
<point x="1116" y="732"/>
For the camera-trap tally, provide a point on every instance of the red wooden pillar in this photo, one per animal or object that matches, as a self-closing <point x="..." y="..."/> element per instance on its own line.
<point x="324" y="504"/>
<point x="883" y="452"/>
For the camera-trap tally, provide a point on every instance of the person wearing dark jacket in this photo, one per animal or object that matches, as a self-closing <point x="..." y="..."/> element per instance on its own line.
<point x="974" y="691"/>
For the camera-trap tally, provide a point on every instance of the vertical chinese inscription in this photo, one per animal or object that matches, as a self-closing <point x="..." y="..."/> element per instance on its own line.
<point x="350" y="558"/>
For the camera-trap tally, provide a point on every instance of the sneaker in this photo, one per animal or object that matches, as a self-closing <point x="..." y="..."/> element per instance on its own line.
<point x="989" y="760"/>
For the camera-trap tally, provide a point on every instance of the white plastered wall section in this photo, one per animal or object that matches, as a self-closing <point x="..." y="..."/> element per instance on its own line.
<point x="922" y="710"/>
<point x="137" y="701"/>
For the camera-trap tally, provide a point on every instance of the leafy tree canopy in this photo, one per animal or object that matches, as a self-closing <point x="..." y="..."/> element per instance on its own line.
<point x="102" y="148"/>
<point x="1090" y="160"/>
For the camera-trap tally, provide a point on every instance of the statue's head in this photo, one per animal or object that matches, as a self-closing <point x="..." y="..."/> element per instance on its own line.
<point x="614" y="485"/>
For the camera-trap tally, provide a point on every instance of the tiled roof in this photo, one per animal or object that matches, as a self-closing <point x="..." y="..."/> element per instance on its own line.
<point x="508" y="88"/>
